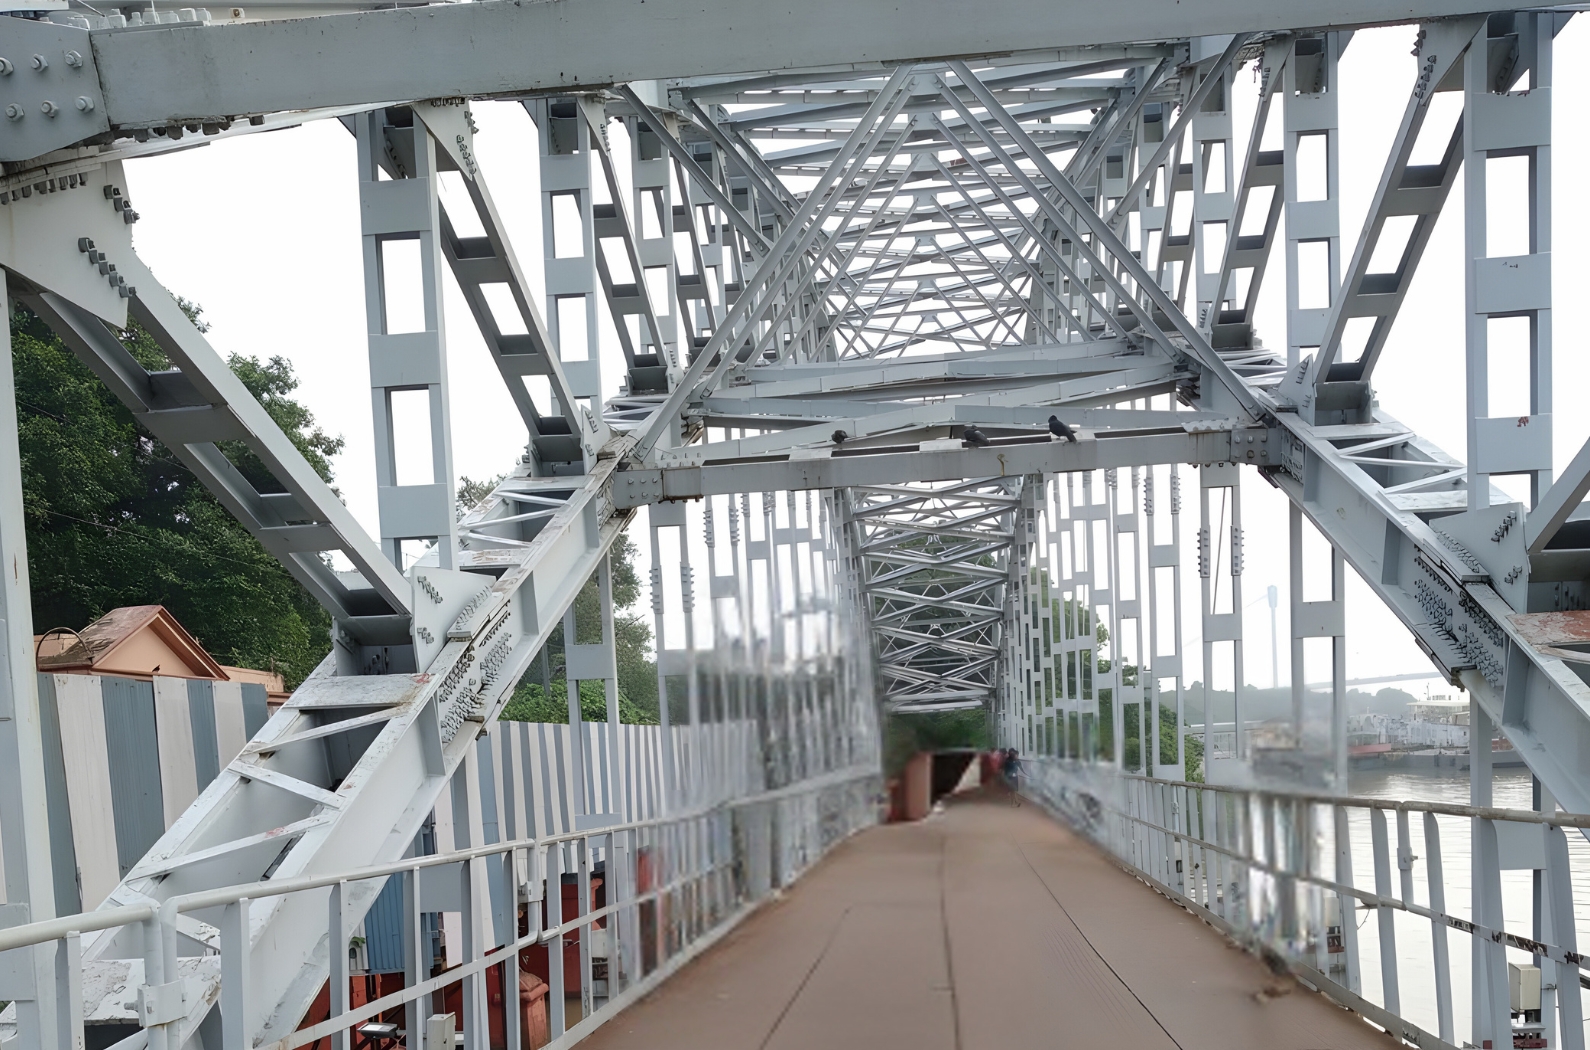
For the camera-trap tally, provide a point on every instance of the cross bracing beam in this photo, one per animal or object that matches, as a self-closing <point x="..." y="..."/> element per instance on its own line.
<point x="935" y="579"/>
<point x="198" y="406"/>
<point x="881" y="465"/>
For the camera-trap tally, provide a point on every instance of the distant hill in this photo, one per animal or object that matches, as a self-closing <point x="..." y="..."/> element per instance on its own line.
<point x="1266" y="703"/>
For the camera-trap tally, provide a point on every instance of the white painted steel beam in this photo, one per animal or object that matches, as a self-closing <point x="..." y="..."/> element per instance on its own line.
<point x="154" y="77"/>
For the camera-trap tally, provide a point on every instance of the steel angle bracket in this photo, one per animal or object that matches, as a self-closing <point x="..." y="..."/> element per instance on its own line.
<point x="70" y="234"/>
<point x="49" y="89"/>
<point x="443" y="600"/>
<point x="452" y="126"/>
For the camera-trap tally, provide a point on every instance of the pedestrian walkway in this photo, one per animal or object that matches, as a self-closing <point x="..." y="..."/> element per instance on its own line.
<point x="987" y="927"/>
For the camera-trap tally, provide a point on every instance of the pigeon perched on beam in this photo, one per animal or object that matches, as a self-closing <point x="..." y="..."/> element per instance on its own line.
<point x="1058" y="428"/>
<point x="839" y="437"/>
<point x="976" y="438"/>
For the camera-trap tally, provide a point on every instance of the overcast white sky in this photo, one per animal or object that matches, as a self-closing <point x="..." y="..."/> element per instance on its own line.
<point x="263" y="232"/>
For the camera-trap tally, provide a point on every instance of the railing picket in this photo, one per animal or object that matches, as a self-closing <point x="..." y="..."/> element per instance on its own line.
<point x="557" y="1019"/>
<point x="469" y="920"/>
<point x="1559" y="891"/>
<point x="1386" y="918"/>
<point x="1492" y="1018"/>
<point x="1438" y="939"/>
<point x="69" y="976"/>
<point x="512" y="1016"/>
<point x="1344" y="877"/>
<point x="1405" y="856"/>
<point x="235" y="1029"/>
<point x="337" y="952"/>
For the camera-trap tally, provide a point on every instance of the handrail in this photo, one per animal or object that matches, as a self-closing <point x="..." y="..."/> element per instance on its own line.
<point x="1451" y="809"/>
<point x="106" y="918"/>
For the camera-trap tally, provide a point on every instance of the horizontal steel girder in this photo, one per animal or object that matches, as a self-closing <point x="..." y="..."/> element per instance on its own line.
<point x="1254" y="445"/>
<point x="502" y="47"/>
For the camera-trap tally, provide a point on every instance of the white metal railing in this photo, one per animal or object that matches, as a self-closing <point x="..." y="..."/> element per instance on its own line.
<point x="1275" y="870"/>
<point x="697" y="873"/>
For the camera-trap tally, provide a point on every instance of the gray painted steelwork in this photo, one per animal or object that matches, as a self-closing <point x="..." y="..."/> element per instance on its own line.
<point x="846" y="391"/>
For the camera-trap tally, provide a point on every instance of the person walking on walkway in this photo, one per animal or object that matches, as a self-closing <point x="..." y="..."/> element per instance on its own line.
<point x="1010" y="769"/>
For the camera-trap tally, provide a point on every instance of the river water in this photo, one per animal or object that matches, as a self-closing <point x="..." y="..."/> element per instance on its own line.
<point x="1416" y="971"/>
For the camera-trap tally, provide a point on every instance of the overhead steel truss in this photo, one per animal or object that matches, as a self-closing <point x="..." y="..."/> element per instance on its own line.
<point x="837" y="261"/>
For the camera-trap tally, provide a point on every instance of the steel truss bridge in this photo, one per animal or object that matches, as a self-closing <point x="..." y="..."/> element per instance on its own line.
<point x="852" y="279"/>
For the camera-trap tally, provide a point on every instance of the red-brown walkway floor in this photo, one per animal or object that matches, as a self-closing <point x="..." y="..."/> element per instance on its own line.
<point x="984" y="927"/>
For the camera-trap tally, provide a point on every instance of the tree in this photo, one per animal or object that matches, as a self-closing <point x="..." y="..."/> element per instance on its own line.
<point x="113" y="518"/>
<point x="471" y="492"/>
<point x="531" y="703"/>
<point x="907" y="734"/>
<point x="542" y="694"/>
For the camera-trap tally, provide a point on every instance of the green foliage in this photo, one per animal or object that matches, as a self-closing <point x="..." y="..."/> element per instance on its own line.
<point x="905" y="735"/>
<point x="1166" y="749"/>
<point x="541" y="695"/>
<point x="1195" y="758"/>
<point x="531" y="703"/>
<point x="471" y="492"/>
<point x="113" y="518"/>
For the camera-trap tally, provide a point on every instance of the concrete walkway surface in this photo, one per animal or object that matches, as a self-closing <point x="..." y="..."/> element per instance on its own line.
<point x="987" y="927"/>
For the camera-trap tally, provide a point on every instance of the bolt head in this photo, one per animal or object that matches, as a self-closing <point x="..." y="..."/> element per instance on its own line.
<point x="74" y="59"/>
<point x="14" y="111"/>
<point x="49" y="108"/>
<point x="40" y="63"/>
<point x="5" y="67"/>
<point x="85" y="104"/>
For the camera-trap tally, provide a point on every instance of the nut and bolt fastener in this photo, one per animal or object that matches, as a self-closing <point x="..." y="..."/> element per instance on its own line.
<point x="40" y="63"/>
<point x="14" y="111"/>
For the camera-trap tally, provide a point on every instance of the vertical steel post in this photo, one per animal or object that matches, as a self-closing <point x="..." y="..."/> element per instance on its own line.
<point x="652" y="188"/>
<point x="30" y="982"/>
<point x="1112" y="562"/>
<point x="1214" y="196"/>
<point x="392" y="211"/>
<point x="1221" y="627"/>
<point x="1309" y="108"/>
<point x="1158" y="664"/>
<point x="567" y="188"/>
<point x="1500" y="123"/>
